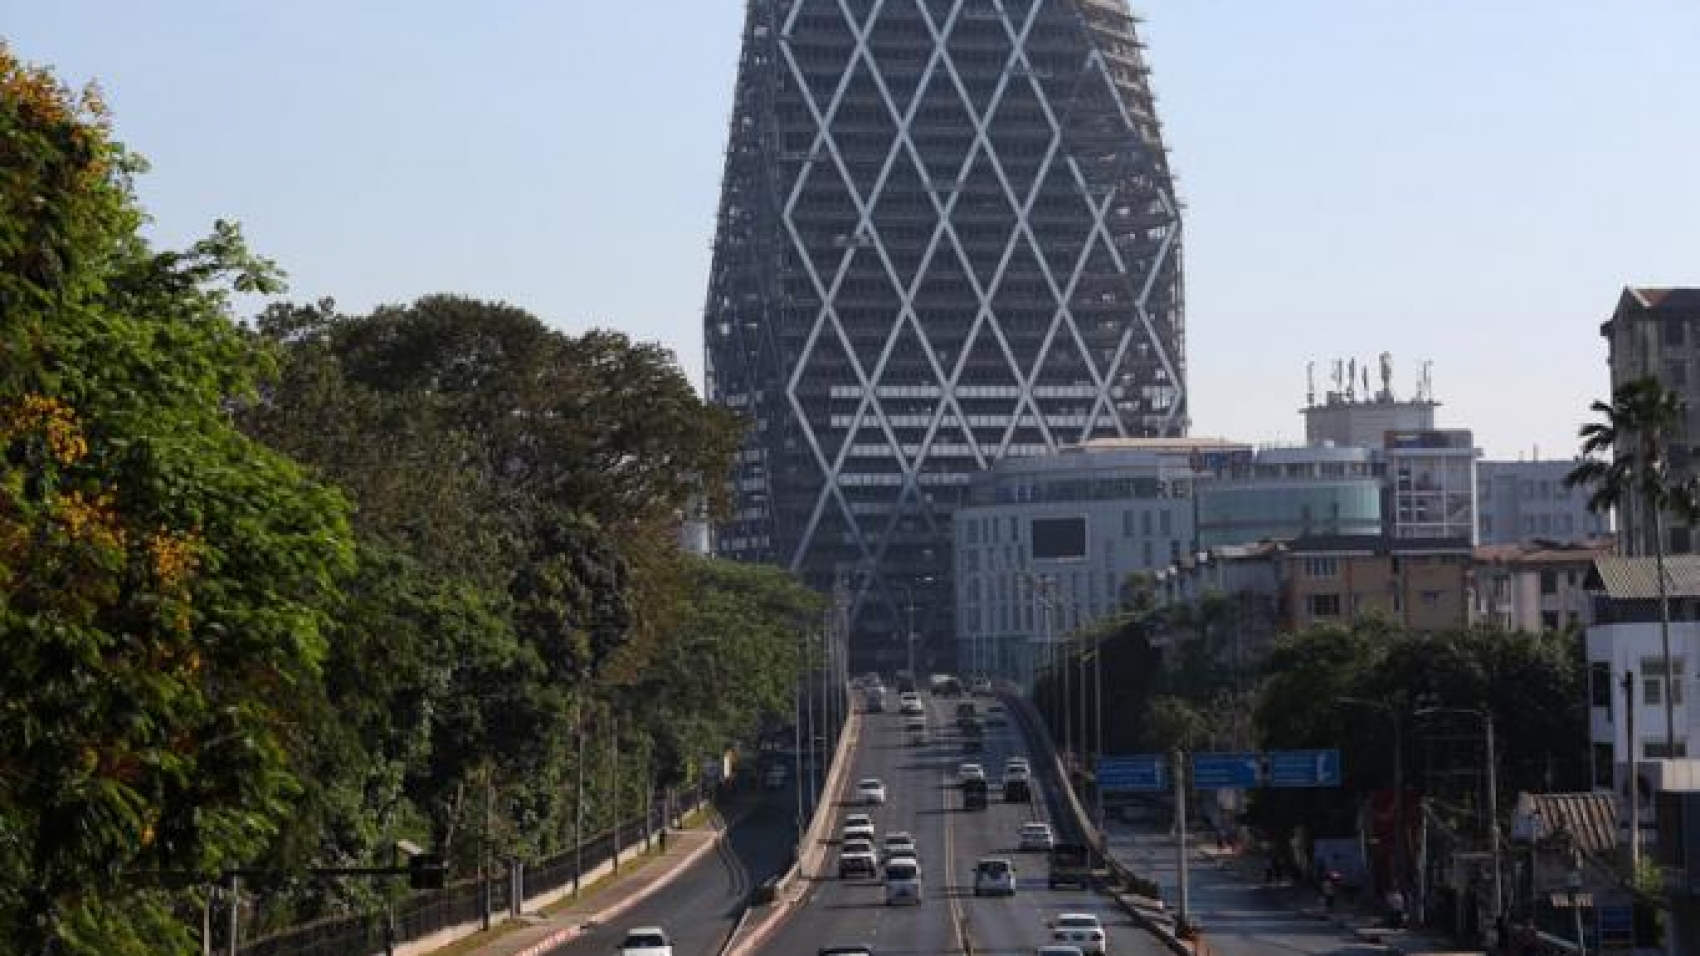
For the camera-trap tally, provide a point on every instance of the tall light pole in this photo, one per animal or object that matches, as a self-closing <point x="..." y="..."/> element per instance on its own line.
<point x="1486" y="717"/>
<point x="1393" y="714"/>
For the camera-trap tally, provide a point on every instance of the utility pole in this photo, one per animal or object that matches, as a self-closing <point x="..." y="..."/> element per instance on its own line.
<point x="1182" y="922"/>
<point x="578" y="800"/>
<point x="484" y="856"/>
<point x="1493" y="815"/>
<point x="234" y="914"/>
<point x="614" y="779"/>
<point x="1632" y="751"/>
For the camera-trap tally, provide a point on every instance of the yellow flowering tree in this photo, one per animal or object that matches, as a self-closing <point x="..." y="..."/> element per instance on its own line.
<point x="162" y="577"/>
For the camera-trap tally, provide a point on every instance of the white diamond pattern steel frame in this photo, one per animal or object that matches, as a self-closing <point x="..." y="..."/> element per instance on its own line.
<point x="862" y="442"/>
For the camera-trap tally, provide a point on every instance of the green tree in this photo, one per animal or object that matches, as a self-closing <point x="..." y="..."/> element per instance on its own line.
<point x="163" y="578"/>
<point x="1626" y="463"/>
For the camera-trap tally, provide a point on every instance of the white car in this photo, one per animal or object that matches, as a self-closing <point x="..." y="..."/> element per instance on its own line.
<point x="1037" y="836"/>
<point x="910" y="705"/>
<point x="994" y="876"/>
<point x="996" y="716"/>
<point x="902" y="881"/>
<point x="970" y="771"/>
<point x="1017" y="772"/>
<point x="1082" y="930"/>
<point x="897" y="844"/>
<point x="981" y="687"/>
<point x="646" y="941"/>
<point x="870" y="791"/>
<point x="858" y="826"/>
<point x="857" y="859"/>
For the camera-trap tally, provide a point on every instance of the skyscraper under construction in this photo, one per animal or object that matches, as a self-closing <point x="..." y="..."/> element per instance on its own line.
<point x="947" y="234"/>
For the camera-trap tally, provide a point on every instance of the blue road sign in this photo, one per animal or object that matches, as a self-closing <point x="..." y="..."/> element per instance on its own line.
<point x="1225" y="771"/>
<point x="1304" y="768"/>
<point x="1137" y="772"/>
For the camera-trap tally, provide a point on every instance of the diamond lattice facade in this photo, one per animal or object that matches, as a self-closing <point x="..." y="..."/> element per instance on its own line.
<point x="947" y="235"/>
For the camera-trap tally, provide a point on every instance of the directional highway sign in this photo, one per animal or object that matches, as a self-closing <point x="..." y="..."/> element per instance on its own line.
<point x="1226" y="771"/>
<point x="1136" y="772"/>
<point x="1304" y="768"/>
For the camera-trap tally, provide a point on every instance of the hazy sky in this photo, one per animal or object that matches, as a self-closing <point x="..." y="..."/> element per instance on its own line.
<point x="1464" y="181"/>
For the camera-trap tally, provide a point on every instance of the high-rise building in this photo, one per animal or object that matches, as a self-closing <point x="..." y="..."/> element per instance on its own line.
<point x="947" y="235"/>
<point x="1654" y="332"/>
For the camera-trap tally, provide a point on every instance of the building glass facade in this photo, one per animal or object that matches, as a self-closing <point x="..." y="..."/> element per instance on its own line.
<point x="947" y="236"/>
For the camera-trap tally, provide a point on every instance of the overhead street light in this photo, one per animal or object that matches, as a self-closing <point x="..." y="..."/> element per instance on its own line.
<point x="1393" y="714"/>
<point x="1486" y="717"/>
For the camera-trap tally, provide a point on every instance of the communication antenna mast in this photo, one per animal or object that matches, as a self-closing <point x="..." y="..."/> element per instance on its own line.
<point x="1310" y="384"/>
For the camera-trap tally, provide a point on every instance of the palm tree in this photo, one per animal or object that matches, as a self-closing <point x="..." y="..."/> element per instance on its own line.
<point x="1624" y="462"/>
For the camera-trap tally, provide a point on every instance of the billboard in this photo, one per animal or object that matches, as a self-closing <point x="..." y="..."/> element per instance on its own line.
<point x="1059" y="539"/>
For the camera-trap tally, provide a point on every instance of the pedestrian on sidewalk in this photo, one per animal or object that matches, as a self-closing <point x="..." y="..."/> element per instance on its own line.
<point x="1395" y="908"/>
<point x="1330" y="889"/>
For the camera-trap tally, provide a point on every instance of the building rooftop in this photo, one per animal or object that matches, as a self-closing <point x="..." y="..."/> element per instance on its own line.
<point x="1545" y="552"/>
<point x="1178" y="444"/>
<point x="1665" y="298"/>
<point x="1589" y="818"/>
<point x="1636" y="579"/>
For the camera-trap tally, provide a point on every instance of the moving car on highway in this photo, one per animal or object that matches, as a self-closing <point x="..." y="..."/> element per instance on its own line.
<point x="1082" y="930"/>
<point x="857" y="859"/>
<point x="898" y="843"/>
<point x="994" y="876"/>
<point x="870" y="790"/>
<point x="858" y="826"/>
<point x="646" y="941"/>
<point x="902" y="882"/>
<point x="1036" y="836"/>
<point x="970" y="771"/>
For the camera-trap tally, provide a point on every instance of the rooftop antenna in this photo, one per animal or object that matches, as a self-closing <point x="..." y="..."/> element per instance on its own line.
<point x="1310" y="384"/>
<point x="1351" y="380"/>
<point x="1387" y="376"/>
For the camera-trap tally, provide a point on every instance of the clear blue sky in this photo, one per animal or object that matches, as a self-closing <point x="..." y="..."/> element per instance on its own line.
<point x="1465" y="181"/>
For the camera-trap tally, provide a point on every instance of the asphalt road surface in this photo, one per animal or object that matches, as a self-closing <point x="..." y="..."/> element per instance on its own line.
<point x="924" y="800"/>
<point x="699" y="906"/>
<point x="1240" y="915"/>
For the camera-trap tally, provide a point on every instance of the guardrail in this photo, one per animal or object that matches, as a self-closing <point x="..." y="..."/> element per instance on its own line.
<point x="441" y="916"/>
<point x="1136" y="895"/>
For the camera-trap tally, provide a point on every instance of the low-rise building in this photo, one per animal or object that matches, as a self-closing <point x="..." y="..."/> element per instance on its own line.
<point x="1046" y="543"/>
<point x="1534" y="587"/>
<point x="1420" y="585"/>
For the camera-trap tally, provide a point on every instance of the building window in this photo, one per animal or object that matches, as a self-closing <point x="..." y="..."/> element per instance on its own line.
<point x="1603" y="769"/>
<point x="1325" y="605"/>
<point x="1147" y="545"/>
<point x="1653" y="681"/>
<point x="1322" y="567"/>
<point x="1549" y="620"/>
<point x="1656" y="750"/>
<point x="1487" y="524"/>
<point x="1127" y="524"/>
<point x="1549" y="582"/>
<point x="1145" y="522"/>
<point x="1431" y="599"/>
<point x="1163" y="521"/>
<point x="1599" y="684"/>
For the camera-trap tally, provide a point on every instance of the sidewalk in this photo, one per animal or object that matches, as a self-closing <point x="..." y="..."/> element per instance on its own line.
<point x="603" y="901"/>
<point x="1241" y="915"/>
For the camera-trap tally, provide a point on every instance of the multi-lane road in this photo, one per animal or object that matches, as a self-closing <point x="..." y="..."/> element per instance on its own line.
<point x="923" y="799"/>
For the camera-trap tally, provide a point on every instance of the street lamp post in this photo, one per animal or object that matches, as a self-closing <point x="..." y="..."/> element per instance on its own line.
<point x="1399" y="865"/>
<point x="1486" y="717"/>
